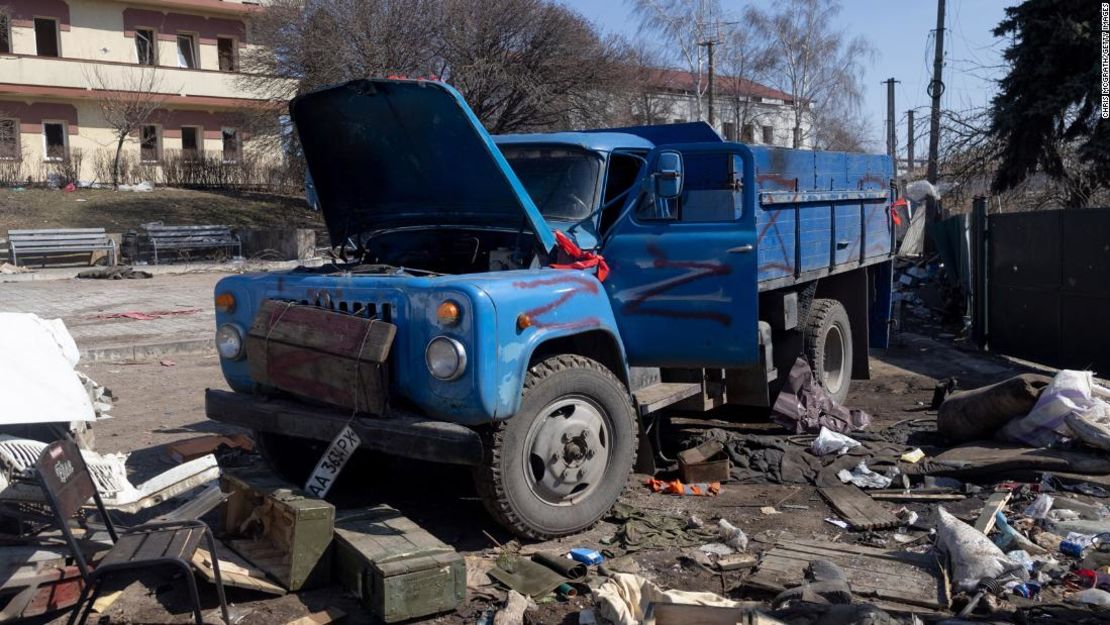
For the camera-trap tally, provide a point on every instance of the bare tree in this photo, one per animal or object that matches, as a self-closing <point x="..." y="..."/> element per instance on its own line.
<point x="743" y="61"/>
<point x="685" y="25"/>
<point x="128" y="99"/>
<point x="821" y="66"/>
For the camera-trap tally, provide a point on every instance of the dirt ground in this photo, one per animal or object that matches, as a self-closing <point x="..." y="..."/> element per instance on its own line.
<point x="158" y="404"/>
<point x="119" y="211"/>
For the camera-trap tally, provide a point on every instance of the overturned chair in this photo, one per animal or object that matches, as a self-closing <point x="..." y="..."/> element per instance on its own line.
<point x="68" y="487"/>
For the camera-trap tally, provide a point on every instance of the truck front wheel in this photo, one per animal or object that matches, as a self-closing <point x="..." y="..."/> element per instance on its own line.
<point x="828" y="346"/>
<point x="559" y="464"/>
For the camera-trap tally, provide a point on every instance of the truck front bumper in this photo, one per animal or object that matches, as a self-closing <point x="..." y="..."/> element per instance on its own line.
<point x="400" y="434"/>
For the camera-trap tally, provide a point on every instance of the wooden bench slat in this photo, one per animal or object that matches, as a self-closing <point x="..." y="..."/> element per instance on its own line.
<point x="58" y="231"/>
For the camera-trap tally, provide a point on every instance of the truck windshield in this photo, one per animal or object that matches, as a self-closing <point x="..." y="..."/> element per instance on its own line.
<point x="561" y="182"/>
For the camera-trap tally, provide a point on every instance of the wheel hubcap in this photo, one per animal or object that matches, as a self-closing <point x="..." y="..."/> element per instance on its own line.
<point x="833" y="364"/>
<point x="567" y="451"/>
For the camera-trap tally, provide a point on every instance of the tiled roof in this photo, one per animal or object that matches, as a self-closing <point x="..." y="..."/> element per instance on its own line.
<point x="679" y="80"/>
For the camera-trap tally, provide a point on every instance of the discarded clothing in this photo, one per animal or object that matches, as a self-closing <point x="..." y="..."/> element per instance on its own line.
<point x="1070" y="392"/>
<point x="640" y="529"/>
<point x="676" y="487"/>
<point x="624" y="598"/>
<point x="805" y="406"/>
<point x="114" y="273"/>
<point x="529" y="578"/>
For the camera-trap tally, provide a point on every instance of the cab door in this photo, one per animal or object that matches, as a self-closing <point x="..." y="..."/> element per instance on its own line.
<point x="682" y="278"/>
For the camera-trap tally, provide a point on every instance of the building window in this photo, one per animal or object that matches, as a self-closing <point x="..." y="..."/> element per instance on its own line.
<point x="187" y="51"/>
<point x="9" y="139"/>
<point x="54" y="140"/>
<point x="190" y="141"/>
<point x="150" y="144"/>
<point x="749" y="133"/>
<point x="729" y="131"/>
<point x="678" y="120"/>
<point x="145" y="46"/>
<point x="46" y="36"/>
<point x="5" y="34"/>
<point x="231" y="145"/>
<point x="225" y="48"/>
<point x="768" y="134"/>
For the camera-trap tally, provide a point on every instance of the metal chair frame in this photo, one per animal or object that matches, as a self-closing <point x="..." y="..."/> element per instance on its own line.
<point x="66" y="505"/>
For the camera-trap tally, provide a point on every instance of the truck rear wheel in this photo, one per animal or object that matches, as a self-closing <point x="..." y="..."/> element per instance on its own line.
<point x="559" y="464"/>
<point x="828" y="346"/>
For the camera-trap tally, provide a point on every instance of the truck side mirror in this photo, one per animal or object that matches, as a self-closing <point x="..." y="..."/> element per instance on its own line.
<point x="668" y="175"/>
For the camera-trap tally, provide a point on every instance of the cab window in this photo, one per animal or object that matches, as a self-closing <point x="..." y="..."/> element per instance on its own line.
<point x="709" y="192"/>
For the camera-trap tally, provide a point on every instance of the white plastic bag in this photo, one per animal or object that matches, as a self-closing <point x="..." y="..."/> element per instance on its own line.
<point x="1069" y="392"/>
<point x="1092" y="426"/>
<point x="971" y="555"/>
<point x="829" y="442"/>
<point x="863" y="477"/>
<point x="1040" y="507"/>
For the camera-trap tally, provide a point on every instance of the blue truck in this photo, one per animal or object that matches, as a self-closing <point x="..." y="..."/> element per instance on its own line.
<point x="549" y="297"/>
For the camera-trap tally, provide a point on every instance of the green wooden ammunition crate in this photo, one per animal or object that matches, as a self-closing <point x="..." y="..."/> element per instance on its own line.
<point x="397" y="569"/>
<point x="278" y="528"/>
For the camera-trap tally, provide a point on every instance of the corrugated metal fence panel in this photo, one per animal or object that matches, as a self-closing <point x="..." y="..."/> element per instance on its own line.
<point x="1049" y="287"/>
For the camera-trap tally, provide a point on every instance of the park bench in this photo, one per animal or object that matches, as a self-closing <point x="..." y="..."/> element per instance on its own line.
<point x="161" y="238"/>
<point x="56" y="241"/>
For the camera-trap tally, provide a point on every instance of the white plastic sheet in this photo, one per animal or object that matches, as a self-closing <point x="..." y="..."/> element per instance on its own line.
<point x="829" y="442"/>
<point x="1070" y="397"/>
<point x="37" y="381"/>
<point x="971" y="555"/>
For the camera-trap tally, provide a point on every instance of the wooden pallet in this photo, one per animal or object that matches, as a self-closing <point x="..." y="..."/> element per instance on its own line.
<point x="892" y="580"/>
<point x="860" y="511"/>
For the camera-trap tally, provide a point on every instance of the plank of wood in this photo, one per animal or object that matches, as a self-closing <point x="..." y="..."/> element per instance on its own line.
<point x="663" y="394"/>
<point x="890" y="578"/>
<point x="234" y="571"/>
<point x="902" y="495"/>
<point x="860" y="511"/>
<point x="997" y="501"/>
<point x="323" y="617"/>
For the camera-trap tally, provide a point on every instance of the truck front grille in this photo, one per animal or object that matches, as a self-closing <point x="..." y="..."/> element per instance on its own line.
<point x="368" y="310"/>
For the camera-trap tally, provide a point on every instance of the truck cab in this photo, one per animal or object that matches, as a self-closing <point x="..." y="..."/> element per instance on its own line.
<point x="527" y="305"/>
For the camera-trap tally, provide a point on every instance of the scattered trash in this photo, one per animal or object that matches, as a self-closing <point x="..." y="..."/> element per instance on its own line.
<point x="114" y="273"/>
<point x="143" y="187"/>
<point x="717" y="549"/>
<point x="912" y="457"/>
<point x="837" y="522"/>
<point x="1040" y="507"/>
<point x="706" y="463"/>
<point x="1070" y="392"/>
<point x="733" y="536"/>
<point x="513" y="612"/>
<point x="1092" y="596"/>
<point x="803" y="405"/>
<point x="676" y="487"/>
<point x="829" y="442"/>
<point x="768" y="510"/>
<point x="147" y="315"/>
<point x="863" y="477"/>
<point x="979" y="413"/>
<point x="824" y="582"/>
<point x="190" y="448"/>
<point x="166" y="362"/>
<point x="971" y="555"/>
<point x="9" y="269"/>
<point x="589" y="557"/>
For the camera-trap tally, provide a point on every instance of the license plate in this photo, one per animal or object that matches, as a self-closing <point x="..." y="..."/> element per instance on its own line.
<point x="332" y="462"/>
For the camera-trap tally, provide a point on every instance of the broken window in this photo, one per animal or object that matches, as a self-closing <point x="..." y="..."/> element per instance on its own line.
<point x="9" y="139"/>
<point x="225" y="48"/>
<point x="5" y="35"/>
<point x="149" y="144"/>
<point x="190" y="141"/>
<point x="145" y="46"/>
<point x="187" y="51"/>
<point x="46" y="36"/>
<point x="768" y="134"/>
<point x="231" y="145"/>
<point x="54" y="138"/>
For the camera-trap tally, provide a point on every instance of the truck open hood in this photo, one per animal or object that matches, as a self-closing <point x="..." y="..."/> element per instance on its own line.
<point x="395" y="153"/>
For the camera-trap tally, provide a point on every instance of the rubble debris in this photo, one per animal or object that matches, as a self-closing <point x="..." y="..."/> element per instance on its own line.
<point x="804" y="405"/>
<point x="863" y="477"/>
<point x="971" y="555"/>
<point x="38" y="383"/>
<point x="190" y="448"/>
<point x="1069" y="393"/>
<point x="980" y="413"/>
<point x="234" y="571"/>
<point x="114" y="273"/>
<point x="513" y="612"/>
<point x="995" y="503"/>
<point x="706" y="463"/>
<point x="895" y="580"/>
<point x="1092" y="596"/>
<point x="860" y="512"/>
<point x="732" y="536"/>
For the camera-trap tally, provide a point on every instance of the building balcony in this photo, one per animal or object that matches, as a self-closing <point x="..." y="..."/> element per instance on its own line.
<point x="81" y="78"/>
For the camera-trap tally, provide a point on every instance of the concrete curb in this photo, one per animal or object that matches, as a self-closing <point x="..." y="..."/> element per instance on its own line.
<point x="69" y="273"/>
<point x="148" y="351"/>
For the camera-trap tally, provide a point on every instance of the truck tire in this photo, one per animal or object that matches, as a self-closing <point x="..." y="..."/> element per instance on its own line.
<point x="559" y="464"/>
<point x="828" y="346"/>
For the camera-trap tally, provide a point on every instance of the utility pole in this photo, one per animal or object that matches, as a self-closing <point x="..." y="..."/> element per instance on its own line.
<point x="712" y="92"/>
<point x="910" y="141"/>
<point x="891" y="135"/>
<point x="936" y="88"/>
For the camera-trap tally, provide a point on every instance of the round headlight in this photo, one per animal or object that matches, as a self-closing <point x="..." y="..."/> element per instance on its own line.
<point x="229" y="341"/>
<point x="446" y="358"/>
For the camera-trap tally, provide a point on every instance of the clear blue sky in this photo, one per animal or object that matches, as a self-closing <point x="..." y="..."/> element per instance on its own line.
<point x="900" y="31"/>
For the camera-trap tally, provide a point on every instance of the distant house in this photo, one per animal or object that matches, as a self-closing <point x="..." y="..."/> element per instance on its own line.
<point x="744" y="111"/>
<point x="59" y="57"/>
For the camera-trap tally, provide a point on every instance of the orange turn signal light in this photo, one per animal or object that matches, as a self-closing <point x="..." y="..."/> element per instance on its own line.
<point x="225" y="302"/>
<point x="448" y="313"/>
<point x="523" y="321"/>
